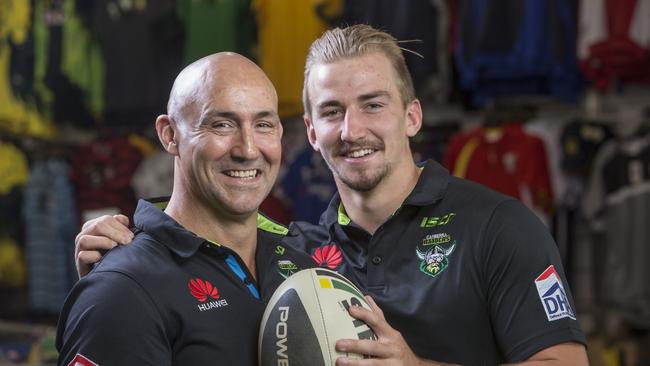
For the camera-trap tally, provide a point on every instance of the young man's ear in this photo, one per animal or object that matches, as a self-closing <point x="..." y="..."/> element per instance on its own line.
<point x="311" y="133"/>
<point x="167" y="134"/>
<point x="413" y="118"/>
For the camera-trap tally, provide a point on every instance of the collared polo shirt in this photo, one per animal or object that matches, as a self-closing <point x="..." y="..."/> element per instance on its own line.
<point x="173" y="298"/>
<point x="467" y="275"/>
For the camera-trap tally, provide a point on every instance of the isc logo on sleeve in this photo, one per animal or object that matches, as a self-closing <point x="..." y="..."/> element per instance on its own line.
<point x="553" y="296"/>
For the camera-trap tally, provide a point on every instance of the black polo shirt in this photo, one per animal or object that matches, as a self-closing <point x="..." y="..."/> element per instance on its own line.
<point x="173" y="298"/>
<point x="463" y="272"/>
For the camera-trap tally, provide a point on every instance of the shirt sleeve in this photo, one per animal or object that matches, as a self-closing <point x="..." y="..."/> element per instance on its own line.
<point x="529" y="300"/>
<point x="109" y="319"/>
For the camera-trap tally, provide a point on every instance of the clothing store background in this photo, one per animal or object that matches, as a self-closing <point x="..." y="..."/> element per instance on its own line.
<point x="544" y="100"/>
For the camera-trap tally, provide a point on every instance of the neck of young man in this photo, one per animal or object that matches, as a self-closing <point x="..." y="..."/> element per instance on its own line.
<point x="236" y="232"/>
<point x="370" y="209"/>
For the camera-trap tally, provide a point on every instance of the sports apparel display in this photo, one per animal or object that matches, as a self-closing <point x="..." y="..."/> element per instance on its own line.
<point x="173" y="298"/>
<point x="617" y="202"/>
<point x="467" y="275"/>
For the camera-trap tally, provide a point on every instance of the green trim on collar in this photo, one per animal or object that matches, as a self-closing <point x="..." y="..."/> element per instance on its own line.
<point x="161" y="204"/>
<point x="344" y="219"/>
<point x="267" y="225"/>
<point x="213" y="242"/>
<point x="263" y="223"/>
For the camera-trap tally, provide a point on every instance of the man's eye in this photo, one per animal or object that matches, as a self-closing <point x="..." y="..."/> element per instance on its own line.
<point x="373" y="106"/>
<point x="264" y="124"/>
<point x="331" y="113"/>
<point x="220" y="124"/>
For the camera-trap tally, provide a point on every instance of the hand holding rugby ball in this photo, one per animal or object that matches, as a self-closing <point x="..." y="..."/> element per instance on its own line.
<point x="305" y="317"/>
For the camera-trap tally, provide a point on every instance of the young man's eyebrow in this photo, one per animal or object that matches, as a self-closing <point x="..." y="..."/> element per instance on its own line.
<point x="328" y="103"/>
<point x="372" y="95"/>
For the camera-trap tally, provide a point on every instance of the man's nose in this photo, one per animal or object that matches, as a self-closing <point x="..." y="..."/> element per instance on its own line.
<point x="353" y="128"/>
<point x="245" y="146"/>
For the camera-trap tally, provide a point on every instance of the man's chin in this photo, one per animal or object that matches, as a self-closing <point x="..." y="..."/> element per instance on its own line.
<point x="361" y="183"/>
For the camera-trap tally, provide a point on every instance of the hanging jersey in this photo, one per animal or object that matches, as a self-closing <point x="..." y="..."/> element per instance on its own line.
<point x="142" y="44"/>
<point x="617" y="203"/>
<point x="51" y="223"/>
<point x="214" y="26"/>
<point x="516" y="47"/>
<point x="580" y="141"/>
<point x="507" y="160"/>
<point x="13" y="167"/>
<point x="102" y="172"/>
<point x="16" y="115"/>
<point x="614" y="41"/>
<point x="286" y="29"/>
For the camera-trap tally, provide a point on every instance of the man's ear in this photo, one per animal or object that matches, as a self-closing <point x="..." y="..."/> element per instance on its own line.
<point x="167" y="134"/>
<point x="311" y="133"/>
<point x="413" y="118"/>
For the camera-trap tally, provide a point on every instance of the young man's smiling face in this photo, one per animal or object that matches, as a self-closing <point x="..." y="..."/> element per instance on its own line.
<point x="358" y="121"/>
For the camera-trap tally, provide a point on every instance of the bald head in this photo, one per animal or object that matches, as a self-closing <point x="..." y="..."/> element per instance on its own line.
<point x="213" y="74"/>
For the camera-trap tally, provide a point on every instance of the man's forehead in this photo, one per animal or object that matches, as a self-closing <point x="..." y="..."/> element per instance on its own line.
<point x="340" y="83"/>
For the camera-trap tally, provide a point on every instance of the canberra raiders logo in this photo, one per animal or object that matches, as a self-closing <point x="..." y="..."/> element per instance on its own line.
<point x="286" y="268"/>
<point x="433" y="253"/>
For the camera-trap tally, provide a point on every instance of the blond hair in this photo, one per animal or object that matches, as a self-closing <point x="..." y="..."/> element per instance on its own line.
<point x="354" y="41"/>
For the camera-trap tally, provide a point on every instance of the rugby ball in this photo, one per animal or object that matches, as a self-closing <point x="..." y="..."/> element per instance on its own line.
<point x="305" y="317"/>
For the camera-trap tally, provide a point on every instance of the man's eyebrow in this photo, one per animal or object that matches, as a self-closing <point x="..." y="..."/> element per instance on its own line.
<point x="237" y="116"/>
<point x="328" y="103"/>
<point x="372" y="95"/>
<point x="266" y="114"/>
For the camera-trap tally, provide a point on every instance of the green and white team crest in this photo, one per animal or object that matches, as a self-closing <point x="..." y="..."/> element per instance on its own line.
<point x="434" y="254"/>
<point x="286" y="268"/>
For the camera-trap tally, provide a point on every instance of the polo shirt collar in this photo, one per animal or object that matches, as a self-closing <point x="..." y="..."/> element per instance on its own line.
<point x="151" y="219"/>
<point x="431" y="187"/>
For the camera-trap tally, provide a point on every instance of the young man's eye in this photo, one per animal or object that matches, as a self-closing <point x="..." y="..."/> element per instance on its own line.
<point x="374" y="106"/>
<point x="330" y="113"/>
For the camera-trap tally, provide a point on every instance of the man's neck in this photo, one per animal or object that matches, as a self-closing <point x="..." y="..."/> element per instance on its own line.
<point x="237" y="233"/>
<point x="372" y="208"/>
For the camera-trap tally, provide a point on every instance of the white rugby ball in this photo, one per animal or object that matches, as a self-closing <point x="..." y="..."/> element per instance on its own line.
<point x="305" y="317"/>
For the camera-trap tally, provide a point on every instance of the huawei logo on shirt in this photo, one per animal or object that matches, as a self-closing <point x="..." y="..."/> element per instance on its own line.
<point x="202" y="290"/>
<point x="328" y="256"/>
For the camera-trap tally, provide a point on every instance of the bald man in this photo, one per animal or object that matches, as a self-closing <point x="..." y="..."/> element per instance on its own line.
<point x="191" y="287"/>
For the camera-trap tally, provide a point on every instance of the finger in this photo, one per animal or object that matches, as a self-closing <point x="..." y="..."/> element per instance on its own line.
<point x="110" y="227"/>
<point x="345" y="361"/>
<point x="363" y="347"/>
<point x="86" y="260"/>
<point x="94" y="243"/>
<point x="374" y="306"/>
<point x="373" y="319"/>
<point x="122" y="219"/>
